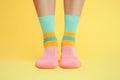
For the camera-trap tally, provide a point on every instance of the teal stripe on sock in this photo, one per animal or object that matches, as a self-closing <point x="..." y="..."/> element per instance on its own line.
<point x="50" y="38"/>
<point x="68" y="38"/>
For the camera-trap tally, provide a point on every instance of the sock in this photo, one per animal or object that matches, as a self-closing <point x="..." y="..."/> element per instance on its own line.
<point x="68" y="57"/>
<point x="49" y="58"/>
<point x="47" y="25"/>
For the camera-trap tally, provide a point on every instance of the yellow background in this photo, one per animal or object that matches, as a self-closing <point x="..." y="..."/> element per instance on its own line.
<point x="97" y="41"/>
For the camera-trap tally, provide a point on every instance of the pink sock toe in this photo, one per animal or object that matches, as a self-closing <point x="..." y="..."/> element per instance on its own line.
<point x="49" y="59"/>
<point x="68" y="58"/>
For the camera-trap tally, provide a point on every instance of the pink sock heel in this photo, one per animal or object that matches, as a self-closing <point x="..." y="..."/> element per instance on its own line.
<point x="49" y="59"/>
<point x="68" y="58"/>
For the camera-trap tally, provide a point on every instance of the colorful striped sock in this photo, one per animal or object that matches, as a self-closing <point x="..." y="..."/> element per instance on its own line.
<point x="50" y="57"/>
<point x="68" y="57"/>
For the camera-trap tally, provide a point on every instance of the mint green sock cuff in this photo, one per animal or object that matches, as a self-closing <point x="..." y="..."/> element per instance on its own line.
<point x="47" y="23"/>
<point x="71" y="23"/>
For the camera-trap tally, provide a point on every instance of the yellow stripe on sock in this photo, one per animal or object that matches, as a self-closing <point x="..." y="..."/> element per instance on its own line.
<point x="51" y="43"/>
<point x="69" y="34"/>
<point x="49" y="34"/>
<point x="67" y="43"/>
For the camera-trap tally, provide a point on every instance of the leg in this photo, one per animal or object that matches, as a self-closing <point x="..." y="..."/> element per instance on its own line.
<point x="44" y="7"/>
<point x="72" y="9"/>
<point x="45" y="10"/>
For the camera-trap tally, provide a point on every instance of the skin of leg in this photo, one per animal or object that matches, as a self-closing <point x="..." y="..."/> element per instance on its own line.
<point x="68" y="58"/>
<point x="49" y="58"/>
<point x="44" y="7"/>
<point x="73" y="7"/>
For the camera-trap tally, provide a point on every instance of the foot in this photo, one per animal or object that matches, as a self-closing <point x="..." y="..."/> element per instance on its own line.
<point x="68" y="58"/>
<point x="49" y="59"/>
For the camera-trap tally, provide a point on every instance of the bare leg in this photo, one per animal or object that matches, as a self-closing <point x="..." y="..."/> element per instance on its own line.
<point x="73" y="7"/>
<point x="45" y="7"/>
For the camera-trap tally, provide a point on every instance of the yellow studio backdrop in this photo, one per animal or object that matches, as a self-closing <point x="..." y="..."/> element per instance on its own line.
<point x="97" y="41"/>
